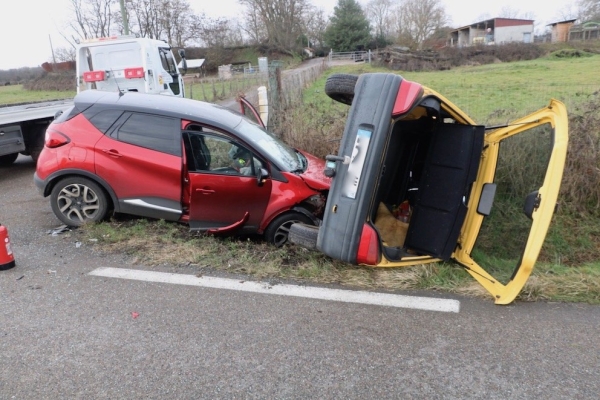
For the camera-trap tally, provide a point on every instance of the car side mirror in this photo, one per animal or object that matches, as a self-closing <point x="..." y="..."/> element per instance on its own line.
<point x="261" y="175"/>
<point x="183" y="61"/>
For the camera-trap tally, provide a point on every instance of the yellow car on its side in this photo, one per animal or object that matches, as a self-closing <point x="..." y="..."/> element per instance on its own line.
<point x="416" y="180"/>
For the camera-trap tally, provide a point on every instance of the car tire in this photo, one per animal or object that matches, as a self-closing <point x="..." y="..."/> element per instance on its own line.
<point x="278" y="230"/>
<point x="77" y="201"/>
<point x="8" y="159"/>
<point x="340" y="87"/>
<point x="304" y="235"/>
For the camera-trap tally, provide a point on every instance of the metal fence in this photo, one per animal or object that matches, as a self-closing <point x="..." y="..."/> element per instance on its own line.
<point x="356" y="56"/>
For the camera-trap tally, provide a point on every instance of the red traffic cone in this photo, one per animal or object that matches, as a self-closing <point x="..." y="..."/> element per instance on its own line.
<point x="7" y="260"/>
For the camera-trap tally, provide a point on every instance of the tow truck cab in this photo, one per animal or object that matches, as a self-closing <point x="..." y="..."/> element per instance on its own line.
<point x="128" y="64"/>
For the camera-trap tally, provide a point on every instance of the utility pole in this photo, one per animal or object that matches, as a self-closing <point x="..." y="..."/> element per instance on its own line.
<point x="52" y="49"/>
<point x="124" y="16"/>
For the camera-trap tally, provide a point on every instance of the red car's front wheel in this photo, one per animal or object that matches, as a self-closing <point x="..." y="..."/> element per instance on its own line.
<point x="279" y="229"/>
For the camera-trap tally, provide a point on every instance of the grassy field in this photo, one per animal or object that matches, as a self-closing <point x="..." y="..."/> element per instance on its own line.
<point x="15" y="94"/>
<point x="569" y="269"/>
<point x="497" y="93"/>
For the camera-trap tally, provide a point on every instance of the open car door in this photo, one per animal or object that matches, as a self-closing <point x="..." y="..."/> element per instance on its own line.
<point x="250" y="112"/>
<point x="523" y="192"/>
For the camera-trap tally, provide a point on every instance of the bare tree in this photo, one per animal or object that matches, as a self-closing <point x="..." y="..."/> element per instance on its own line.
<point x="568" y="11"/>
<point x="395" y="23"/>
<point x="316" y="23"/>
<point x="378" y="12"/>
<point x="421" y="18"/>
<point x="589" y="10"/>
<point x="93" y="18"/>
<point x="144" y="17"/>
<point x="63" y="54"/>
<point x="220" y="33"/>
<point x="508" y="12"/>
<point x="283" y="20"/>
<point x="179" y="24"/>
<point x="253" y="26"/>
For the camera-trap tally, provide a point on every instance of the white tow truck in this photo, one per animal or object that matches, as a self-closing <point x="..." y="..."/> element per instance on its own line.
<point x="116" y="63"/>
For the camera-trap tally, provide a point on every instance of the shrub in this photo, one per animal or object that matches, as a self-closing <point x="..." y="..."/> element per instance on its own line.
<point x="580" y="190"/>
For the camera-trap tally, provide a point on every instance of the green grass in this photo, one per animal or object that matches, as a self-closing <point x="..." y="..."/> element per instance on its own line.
<point x="15" y="94"/>
<point x="496" y="93"/>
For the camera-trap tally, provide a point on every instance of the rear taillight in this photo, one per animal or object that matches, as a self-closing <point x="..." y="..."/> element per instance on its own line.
<point x="55" y="139"/>
<point x="368" y="247"/>
<point x="132" y="73"/>
<point x="408" y="94"/>
<point x="94" y="76"/>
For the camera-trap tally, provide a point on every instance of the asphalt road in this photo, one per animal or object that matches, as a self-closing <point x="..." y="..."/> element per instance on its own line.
<point x="66" y="334"/>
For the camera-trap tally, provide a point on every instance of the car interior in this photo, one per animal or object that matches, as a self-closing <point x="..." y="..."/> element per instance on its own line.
<point x="429" y="162"/>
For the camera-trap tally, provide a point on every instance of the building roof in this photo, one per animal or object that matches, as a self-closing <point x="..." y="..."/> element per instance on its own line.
<point x="562" y="22"/>
<point x="193" y="63"/>
<point x="494" y="21"/>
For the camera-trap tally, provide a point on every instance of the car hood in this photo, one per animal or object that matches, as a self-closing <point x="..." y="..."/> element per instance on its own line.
<point x="314" y="175"/>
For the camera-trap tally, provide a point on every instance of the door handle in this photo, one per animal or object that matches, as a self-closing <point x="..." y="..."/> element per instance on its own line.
<point x="205" y="191"/>
<point x="112" y="153"/>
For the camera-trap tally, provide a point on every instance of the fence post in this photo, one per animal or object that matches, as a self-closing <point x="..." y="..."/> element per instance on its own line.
<point x="275" y="94"/>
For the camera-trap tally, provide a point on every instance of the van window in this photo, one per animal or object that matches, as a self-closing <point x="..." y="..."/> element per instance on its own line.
<point x="167" y="61"/>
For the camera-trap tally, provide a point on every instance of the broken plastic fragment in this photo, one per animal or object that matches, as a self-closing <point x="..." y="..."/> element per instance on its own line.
<point x="58" y="230"/>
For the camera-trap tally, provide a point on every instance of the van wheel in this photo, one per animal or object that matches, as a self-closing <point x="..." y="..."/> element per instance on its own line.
<point x="340" y="87"/>
<point x="77" y="201"/>
<point x="278" y="230"/>
<point x="8" y="159"/>
<point x="304" y="235"/>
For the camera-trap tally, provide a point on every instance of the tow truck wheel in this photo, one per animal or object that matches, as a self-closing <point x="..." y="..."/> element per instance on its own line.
<point x="8" y="159"/>
<point x="76" y="201"/>
<point x="38" y="143"/>
<point x="340" y="87"/>
<point x="277" y="232"/>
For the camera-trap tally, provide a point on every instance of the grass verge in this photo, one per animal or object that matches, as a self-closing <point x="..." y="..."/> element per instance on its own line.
<point x="149" y="242"/>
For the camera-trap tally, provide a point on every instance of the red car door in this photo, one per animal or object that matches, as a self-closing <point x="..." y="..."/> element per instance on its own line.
<point x="141" y="161"/>
<point x="224" y="197"/>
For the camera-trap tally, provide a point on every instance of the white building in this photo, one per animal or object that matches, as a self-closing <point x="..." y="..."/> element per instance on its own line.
<point x="493" y="31"/>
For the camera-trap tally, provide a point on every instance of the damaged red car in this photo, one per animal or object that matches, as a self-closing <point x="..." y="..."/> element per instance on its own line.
<point x="178" y="160"/>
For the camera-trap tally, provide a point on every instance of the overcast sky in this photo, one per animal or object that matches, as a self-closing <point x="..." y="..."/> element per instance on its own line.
<point x="27" y="27"/>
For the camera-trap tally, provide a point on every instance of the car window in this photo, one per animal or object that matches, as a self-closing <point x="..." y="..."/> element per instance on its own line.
<point x="104" y="119"/>
<point x="279" y="153"/>
<point x="219" y="155"/>
<point x="152" y="132"/>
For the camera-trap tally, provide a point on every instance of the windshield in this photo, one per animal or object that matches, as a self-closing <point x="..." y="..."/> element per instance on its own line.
<point x="282" y="155"/>
<point x="167" y="61"/>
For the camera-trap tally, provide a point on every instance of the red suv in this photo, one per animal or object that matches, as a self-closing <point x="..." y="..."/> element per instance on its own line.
<point x="178" y="160"/>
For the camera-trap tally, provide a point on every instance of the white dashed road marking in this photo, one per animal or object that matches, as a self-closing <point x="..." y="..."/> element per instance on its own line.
<point x="347" y="296"/>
